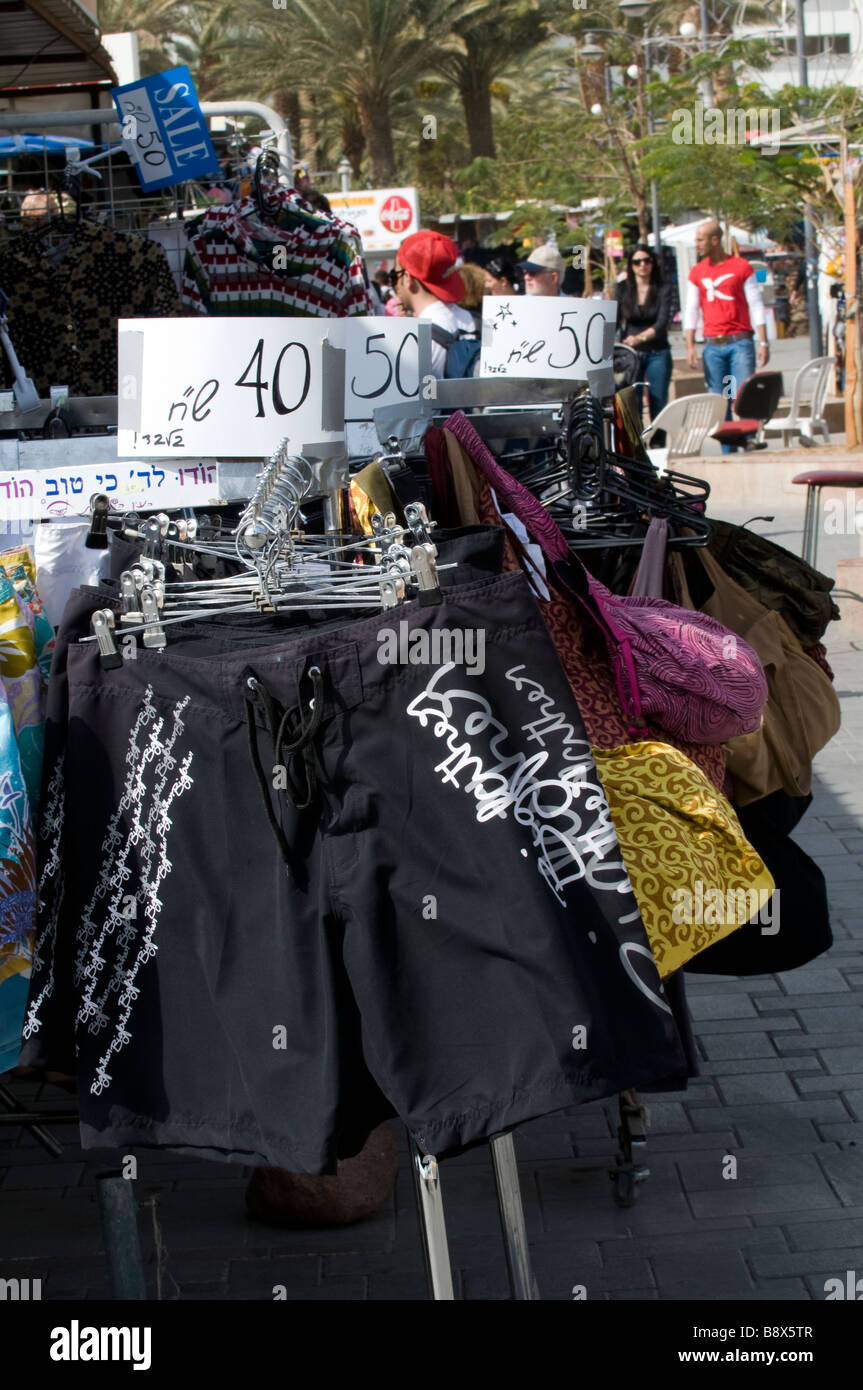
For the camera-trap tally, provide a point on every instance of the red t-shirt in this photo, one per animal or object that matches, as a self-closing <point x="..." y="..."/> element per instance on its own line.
<point x="720" y="290"/>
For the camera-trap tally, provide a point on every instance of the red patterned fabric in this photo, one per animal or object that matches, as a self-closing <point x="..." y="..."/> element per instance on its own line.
<point x="818" y="654"/>
<point x="444" y="505"/>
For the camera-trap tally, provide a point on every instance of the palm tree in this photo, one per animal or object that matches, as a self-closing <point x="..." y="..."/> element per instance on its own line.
<point x="497" y="38"/>
<point x="202" y="44"/>
<point x="367" y="51"/>
<point x="154" y="21"/>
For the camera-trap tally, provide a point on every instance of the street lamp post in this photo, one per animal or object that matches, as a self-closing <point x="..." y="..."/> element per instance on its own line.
<point x="654" y="191"/>
<point x="590" y="50"/>
<point x="638" y="10"/>
<point x="812" y="308"/>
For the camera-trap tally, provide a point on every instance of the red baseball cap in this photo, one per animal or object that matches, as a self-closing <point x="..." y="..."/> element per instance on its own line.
<point x="430" y="257"/>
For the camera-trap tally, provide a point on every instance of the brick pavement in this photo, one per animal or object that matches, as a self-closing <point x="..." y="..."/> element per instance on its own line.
<point x="781" y="1091"/>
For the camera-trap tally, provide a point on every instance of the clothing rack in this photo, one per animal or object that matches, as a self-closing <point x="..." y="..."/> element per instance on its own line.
<point x="111" y="192"/>
<point x="330" y="476"/>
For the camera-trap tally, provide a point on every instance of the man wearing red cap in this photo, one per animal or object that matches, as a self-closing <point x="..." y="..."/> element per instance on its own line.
<point x="429" y="286"/>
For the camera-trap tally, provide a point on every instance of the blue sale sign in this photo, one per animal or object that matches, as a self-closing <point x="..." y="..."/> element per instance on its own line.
<point x="164" y="131"/>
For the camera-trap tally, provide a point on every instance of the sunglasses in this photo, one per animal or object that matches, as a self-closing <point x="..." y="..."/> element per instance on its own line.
<point x="395" y="275"/>
<point x="641" y="260"/>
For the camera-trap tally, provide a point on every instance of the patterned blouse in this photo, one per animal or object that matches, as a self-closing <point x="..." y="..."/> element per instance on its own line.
<point x="63" y="314"/>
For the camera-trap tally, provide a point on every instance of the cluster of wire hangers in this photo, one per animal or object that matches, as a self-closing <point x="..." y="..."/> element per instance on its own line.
<point x="277" y="566"/>
<point x="601" y="498"/>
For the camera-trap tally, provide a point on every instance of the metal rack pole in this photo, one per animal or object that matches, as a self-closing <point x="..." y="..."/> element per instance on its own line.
<point x="47" y="120"/>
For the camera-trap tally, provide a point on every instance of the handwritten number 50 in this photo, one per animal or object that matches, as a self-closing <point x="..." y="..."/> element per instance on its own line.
<point x="376" y="352"/>
<point x="258" y="385"/>
<point x="575" y="348"/>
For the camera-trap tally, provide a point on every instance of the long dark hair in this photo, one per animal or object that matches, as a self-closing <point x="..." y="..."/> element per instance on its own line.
<point x="629" y="292"/>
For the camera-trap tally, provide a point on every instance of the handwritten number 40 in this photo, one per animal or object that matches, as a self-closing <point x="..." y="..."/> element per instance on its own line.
<point x="258" y="385"/>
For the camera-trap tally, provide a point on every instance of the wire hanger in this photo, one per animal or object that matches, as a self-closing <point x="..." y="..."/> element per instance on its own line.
<point x="601" y="498"/>
<point x="267" y="165"/>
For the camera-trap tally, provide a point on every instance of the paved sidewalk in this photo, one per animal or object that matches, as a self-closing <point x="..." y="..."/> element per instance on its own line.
<point x="781" y="1091"/>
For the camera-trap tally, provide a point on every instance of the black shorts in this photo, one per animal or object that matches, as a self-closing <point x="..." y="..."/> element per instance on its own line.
<point x="416" y="905"/>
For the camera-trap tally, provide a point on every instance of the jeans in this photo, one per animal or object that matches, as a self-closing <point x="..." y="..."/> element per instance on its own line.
<point x="657" y="374"/>
<point x="726" y="367"/>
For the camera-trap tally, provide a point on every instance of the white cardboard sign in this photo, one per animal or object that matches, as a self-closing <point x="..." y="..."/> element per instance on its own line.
<point x="220" y="387"/>
<point x="43" y="493"/>
<point x="543" y="337"/>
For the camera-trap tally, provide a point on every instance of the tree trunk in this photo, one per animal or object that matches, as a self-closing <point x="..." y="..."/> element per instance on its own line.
<point x="353" y="142"/>
<point x="377" y="127"/>
<point x="475" y="96"/>
<point x="307" y="145"/>
<point x="287" y="104"/>
<point x="593" y="85"/>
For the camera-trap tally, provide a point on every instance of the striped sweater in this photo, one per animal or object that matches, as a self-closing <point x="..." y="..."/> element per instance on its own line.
<point x="300" y="263"/>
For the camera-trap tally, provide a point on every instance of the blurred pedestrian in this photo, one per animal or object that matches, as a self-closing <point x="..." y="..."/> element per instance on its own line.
<point x="729" y="296"/>
<point x="644" y="300"/>
<point x="474" y="279"/>
<point x="429" y="285"/>
<point x="501" y="276"/>
<point x="382" y="280"/>
<point x="543" y="271"/>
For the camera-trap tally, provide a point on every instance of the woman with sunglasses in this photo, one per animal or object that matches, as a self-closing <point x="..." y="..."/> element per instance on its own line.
<point x="645" y="310"/>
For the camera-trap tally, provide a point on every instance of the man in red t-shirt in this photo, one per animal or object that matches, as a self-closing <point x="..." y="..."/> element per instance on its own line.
<point x="727" y="292"/>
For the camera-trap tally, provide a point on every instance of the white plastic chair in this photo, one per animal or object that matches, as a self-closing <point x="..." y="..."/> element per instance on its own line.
<point x="807" y="394"/>
<point x="687" y="423"/>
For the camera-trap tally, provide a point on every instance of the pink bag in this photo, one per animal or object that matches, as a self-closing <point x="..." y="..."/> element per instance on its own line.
<point x="683" y="670"/>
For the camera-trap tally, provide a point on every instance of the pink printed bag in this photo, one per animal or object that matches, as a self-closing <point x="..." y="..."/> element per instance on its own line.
<point x="682" y="670"/>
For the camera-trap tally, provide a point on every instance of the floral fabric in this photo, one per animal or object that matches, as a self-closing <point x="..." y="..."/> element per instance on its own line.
<point x="26" y="644"/>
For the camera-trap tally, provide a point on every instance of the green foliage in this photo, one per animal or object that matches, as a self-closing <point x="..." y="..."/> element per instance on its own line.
<point x="513" y="127"/>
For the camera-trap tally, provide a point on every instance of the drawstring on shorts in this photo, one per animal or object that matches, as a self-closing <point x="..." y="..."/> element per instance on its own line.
<point x="292" y="740"/>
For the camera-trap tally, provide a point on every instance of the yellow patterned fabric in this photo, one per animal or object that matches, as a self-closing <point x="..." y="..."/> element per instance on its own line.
<point x="695" y="876"/>
<point x="11" y="559"/>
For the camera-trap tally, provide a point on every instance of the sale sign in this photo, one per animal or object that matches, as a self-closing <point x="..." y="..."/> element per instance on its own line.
<point x="164" y="130"/>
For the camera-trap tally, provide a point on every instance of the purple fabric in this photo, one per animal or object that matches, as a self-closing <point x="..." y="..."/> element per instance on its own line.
<point x="648" y="581"/>
<point x="683" y="670"/>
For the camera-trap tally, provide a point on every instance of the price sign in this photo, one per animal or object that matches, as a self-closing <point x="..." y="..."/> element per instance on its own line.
<point x="382" y="364"/>
<point x="43" y="493"/>
<point x="220" y="388"/>
<point x="539" y="337"/>
<point x="164" y="131"/>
